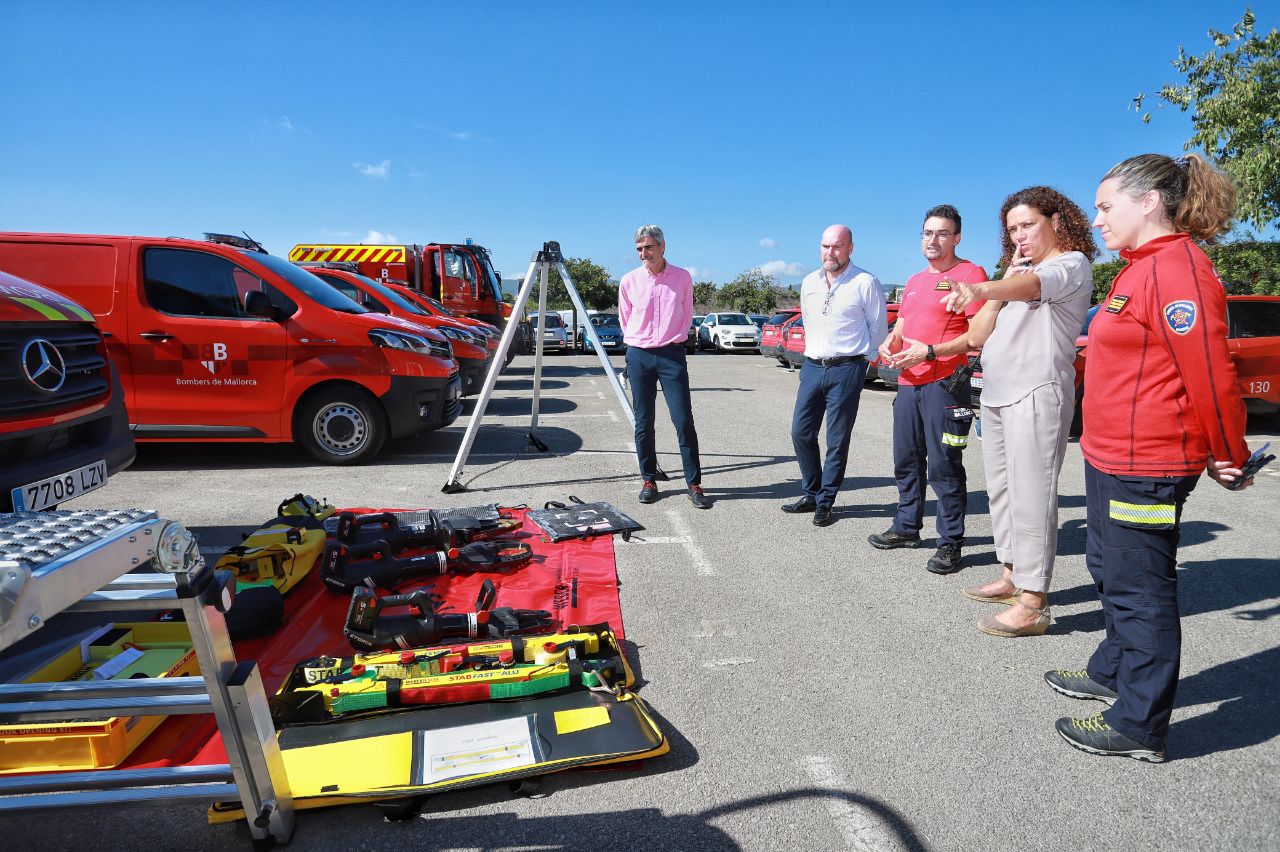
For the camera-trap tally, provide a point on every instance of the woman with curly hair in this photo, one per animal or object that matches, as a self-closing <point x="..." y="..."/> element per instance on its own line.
<point x="1161" y="405"/>
<point x="1027" y="330"/>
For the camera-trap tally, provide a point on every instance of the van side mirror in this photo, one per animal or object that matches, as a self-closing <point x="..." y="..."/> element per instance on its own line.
<point x="258" y="304"/>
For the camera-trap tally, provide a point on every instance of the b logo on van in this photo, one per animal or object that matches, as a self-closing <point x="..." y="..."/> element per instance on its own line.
<point x="211" y="354"/>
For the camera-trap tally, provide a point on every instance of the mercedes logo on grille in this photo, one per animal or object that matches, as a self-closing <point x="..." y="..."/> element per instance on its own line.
<point x="42" y="365"/>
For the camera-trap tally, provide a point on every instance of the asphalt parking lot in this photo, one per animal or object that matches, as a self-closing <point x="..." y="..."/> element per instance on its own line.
<point x="818" y="693"/>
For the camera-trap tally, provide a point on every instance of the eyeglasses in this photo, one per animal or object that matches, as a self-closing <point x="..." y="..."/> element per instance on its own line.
<point x="942" y="235"/>
<point x="826" y="303"/>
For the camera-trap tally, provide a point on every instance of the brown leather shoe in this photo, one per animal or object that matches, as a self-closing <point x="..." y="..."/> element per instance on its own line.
<point x="991" y="626"/>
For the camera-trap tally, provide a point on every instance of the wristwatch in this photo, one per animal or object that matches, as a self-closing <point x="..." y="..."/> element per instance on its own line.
<point x="929" y="355"/>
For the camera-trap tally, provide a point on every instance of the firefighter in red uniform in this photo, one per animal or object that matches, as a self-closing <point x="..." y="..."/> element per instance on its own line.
<point x="1161" y="404"/>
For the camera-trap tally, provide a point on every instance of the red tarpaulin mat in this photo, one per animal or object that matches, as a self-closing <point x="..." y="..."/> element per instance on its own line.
<point x="314" y="618"/>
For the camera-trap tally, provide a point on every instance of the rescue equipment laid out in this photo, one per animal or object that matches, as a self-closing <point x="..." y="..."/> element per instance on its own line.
<point x="561" y="522"/>
<point x="114" y="652"/>
<point x="369" y="629"/>
<point x="377" y="565"/>
<point x="328" y="688"/>
<point x="270" y="562"/>
<point x="434" y="528"/>
<point x="414" y="753"/>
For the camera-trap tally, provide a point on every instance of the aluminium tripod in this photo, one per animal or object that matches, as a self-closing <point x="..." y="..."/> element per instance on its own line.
<point x="541" y="263"/>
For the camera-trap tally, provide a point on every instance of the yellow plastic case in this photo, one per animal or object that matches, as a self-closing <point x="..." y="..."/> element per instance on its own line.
<point x="97" y="743"/>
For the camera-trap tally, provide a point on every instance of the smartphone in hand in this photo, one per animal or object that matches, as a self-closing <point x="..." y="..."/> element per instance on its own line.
<point x="1256" y="462"/>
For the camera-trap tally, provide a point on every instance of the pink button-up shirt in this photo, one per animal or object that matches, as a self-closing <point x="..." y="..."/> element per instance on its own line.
<point x="655" y="310"/>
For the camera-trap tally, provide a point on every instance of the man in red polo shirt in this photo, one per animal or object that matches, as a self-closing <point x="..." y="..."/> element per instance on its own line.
<point x="930" y="423"/>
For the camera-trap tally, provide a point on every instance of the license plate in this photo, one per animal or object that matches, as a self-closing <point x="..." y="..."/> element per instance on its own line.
<point x="46" y="493"/>
<point x="975" y="381"/>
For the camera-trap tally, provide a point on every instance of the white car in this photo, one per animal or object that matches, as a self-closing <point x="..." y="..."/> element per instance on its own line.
<point x="725" y="332"/>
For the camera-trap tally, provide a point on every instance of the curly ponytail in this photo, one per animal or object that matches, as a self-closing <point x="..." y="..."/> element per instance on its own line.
<point x="1198" y="199"/>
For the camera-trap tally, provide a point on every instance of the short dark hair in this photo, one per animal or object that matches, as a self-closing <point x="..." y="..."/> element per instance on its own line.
<point x="944" y="211"/>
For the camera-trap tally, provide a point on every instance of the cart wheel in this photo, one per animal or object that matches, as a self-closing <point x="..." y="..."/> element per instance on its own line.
<point x="530" y="788"/>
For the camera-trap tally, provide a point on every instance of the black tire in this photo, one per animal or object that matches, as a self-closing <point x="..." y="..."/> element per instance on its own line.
<point x="715" y="344"/>
<point x="511" y="356"/>
<point x="340" y="425"/>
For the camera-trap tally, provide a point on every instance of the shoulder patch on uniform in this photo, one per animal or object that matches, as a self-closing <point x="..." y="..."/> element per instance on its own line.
<point x="1181" y="315"/>
<point x="1116" y="304"/>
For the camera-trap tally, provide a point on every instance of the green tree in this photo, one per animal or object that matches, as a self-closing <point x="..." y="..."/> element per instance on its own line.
<point x="1248" y="266"/>
<point x="751" y="292"/>
<point x="704" y="293"/>
<point x="1233" y="93"/>
<point x="1105" y="272"/>
<point x="592" y="281"/>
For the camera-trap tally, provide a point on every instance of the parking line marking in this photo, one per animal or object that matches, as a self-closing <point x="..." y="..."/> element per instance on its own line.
<point x="696" y="556"/>
<point x="862" y="830"/>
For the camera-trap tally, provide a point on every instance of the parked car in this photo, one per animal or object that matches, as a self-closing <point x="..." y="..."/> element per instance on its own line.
<point x="608" y="329"/>
<point x="217" y="340"/>
<point x="692" y="345"/>
<point x="63" y="428"/>
<point x="793" y="344"/>
<point x="555" y="337"/>
<point x="1253" y="337"/>
<point x="472" y="348"/>
<point x="772" y="334"/>
<point x="873" y="366"/>
<point x="758" y="319"/>
<point x="728" y="331"/>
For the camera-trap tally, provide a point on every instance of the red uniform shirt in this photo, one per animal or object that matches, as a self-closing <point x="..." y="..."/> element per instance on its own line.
<point x="1160" y="391"/>
<point x="925" y="319"/>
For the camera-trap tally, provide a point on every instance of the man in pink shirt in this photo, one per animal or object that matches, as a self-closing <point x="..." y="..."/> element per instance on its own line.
<point x="655" y="307"/>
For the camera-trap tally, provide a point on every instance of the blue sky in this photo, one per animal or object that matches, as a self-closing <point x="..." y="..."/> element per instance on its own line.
<point x="742" y="131"/>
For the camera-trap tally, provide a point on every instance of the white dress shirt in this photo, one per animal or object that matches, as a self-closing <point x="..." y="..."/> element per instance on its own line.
<point x="854" y="322"/>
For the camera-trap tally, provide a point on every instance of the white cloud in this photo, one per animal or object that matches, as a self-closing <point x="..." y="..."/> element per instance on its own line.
<point x="285" y="123"/>
<point x="700" y="273"/>
<point x="782" y="268"/>
<point x="769" y="243"/>
<point x="462" y="135"/>
<point x="382" y="170"/>
<point x="379" y="238"/>
<point x="416" y="174"/>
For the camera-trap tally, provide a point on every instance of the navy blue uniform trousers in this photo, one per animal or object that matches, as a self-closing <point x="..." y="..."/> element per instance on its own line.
<point x="832" y="392"/>
<point x="645" y="369"/>
<point x="929" y="441"/>
<point x="1132" y="552"/>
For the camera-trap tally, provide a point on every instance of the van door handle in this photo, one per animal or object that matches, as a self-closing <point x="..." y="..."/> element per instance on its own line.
<point x="155" y="335"/>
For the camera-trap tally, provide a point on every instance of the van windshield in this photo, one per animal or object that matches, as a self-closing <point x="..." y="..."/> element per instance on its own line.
<point x="402" y="302"/>
<point x="309" y="285"/>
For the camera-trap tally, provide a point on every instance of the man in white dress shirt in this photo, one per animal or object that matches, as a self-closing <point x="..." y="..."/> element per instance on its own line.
<point x="844" y="322"/>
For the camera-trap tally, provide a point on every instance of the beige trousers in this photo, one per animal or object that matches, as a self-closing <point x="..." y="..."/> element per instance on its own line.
<point x="1022" y="447"/>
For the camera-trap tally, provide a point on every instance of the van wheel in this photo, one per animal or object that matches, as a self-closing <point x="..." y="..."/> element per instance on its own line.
<point x="340" y="426"/>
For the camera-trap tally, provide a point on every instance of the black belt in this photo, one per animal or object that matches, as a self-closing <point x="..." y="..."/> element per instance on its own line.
<point x="836" y="361"/>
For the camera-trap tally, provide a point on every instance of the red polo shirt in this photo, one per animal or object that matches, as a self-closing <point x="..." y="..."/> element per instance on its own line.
<point x="925" y="319"/>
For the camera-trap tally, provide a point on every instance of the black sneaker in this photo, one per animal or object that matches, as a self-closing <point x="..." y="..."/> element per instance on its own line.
<point x="1079" y="685"/>
<point x="698" y="498"/>
<point x="648" y="492"/>
<point x="946" y="560"/>
<point x="888" y="540"/>
<point x="1095" y="736"/>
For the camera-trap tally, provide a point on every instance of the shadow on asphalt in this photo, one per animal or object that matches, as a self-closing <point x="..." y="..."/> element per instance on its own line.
<point x="491" y="439"/>
<point x="634" y="829"/>
<point x="1249" y="712"/>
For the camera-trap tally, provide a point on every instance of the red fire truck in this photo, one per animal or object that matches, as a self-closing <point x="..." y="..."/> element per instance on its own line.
<point x="460" y="275"/>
